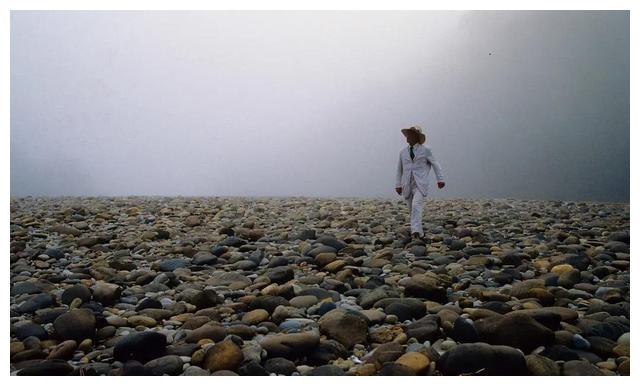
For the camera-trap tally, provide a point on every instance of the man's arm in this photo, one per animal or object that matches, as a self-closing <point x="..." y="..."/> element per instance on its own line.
<point x="436" y="165"/>
<point x="399" y="172"/>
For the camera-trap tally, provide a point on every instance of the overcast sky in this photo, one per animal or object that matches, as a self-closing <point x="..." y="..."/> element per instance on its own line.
<point x="520" y="104"/>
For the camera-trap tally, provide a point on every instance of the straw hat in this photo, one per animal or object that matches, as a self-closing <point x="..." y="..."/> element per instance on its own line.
<point x="416" y="129"/>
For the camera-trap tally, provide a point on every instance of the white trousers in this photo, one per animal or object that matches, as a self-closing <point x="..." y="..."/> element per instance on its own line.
<point x="416" y="204"/>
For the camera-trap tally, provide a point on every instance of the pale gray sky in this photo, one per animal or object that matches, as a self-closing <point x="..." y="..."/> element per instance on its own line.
<point x="521" y="104"/>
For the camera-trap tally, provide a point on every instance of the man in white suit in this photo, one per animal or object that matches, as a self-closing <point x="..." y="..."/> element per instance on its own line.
<point x="412" y="182"/>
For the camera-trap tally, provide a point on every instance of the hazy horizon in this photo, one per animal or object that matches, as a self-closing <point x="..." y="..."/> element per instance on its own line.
<point x="527" y="105"/>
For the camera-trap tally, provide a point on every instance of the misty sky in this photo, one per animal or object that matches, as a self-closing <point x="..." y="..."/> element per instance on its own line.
<point x="520" y="104"/>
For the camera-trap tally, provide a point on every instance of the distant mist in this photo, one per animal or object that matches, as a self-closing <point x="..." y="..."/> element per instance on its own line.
<point x="515" y="104"/>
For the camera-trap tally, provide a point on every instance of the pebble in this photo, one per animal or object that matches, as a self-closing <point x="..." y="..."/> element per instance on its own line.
<point x="225" y="355"/>
<point x="415" y="361"/>
<point x="77" y="324"/>
<point x="255" y="316"/>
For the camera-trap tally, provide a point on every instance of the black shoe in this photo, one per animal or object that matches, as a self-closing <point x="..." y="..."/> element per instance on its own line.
<point x="415" y="236"/>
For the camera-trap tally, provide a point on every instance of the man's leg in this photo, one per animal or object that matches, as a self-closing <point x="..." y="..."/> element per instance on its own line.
<point x="416" y="212"/>
<point x="409" y="201"/>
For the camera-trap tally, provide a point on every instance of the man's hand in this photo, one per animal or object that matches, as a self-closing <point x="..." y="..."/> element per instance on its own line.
<point x="440" y="184"/>
<point x="399" y="190"/>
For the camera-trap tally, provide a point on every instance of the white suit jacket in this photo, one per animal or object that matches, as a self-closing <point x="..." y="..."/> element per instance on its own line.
<point x="420" y="167"/>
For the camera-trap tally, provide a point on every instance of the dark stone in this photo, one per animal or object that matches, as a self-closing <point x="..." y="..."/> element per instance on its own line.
<point x="400" y="310"/>
<point x="318" y="249"/>
<point x="426" y="328"/>
<point x="280" y="275"/>
<point x="268" y="302"/>
<point x="36" y="302"/>
<point x="92" y="369"/>
<point x="326" y="370"/>
<point x="168" y="364"/>
<point x="331" y="242"/>
<point x="77" y="324"/>
<point x="76" y="291"/>
<point x="621" y="236"/>
<point x="28" y="355"/>
<point x="252" y="368"/>
<point x="611" y="330"/>
<point x="206" y="298"/>
<point x="549" y="318"/>
<point x="560" y="353"/>
<point x="418" y="250"/>
<point x="305" y="234"/>
<point x="373" y="283"/>
<point x="55" y="253"/>
<point x="105" y="332"/>
<point x="325" y="307"/>
<point x="162" y="234"/>
<point x="95" y="307"/>
<point x="182" y="349"/>
<point x="496" y="306"/>
<point x="416" y="306"/>
<point x="457" y="245"/>
<point x="580" y="262"/>
<point x="506" y="276"/>
<point x="387" y="352"/>
<point x="233" y="241"/>
<point x="602" y="346"/>
<point x="425" y="290"/>
<point x="25" y="287"/>
<point x="569" y="279"/>
<point x="516" y="330"/>
<point x="581" y="368"/>
<point x="464" y="331"/>
<point x="23" y="330"/>
<point x="396" y="369"/>
<point x="122" y="264"/>
<point x="148" y="303"/>
<point x="541" y="366"/>
<point x="278" y="261"/>
<point x="514" y="259"/>
<point x="327" y="351"/>
<point x="320" y="293"/>
<point x="48" y="315"/>
<point x="219" y="251"/>
<point x="48" y="367"/>
<point x="142" y="346"/>
<point x="482" y="358"/>
<point x="173" y="264"/>
<point x="471" y="251"/>
<point x="280" y="366"/>
<point x="204" y="258"/>
<point x="135" y="368"/>
<point x="368" y="299"/>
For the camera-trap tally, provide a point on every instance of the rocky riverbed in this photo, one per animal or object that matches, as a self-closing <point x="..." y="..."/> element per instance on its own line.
<point x="308" y="286"/>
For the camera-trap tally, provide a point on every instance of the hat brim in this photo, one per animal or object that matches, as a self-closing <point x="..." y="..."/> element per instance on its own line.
<point x="421" y="136"/>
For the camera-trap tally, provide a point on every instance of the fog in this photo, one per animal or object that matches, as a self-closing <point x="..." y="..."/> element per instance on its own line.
<point x="515" y="104"/>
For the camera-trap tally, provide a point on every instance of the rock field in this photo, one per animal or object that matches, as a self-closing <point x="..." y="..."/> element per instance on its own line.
<point x="317" y="286"/>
